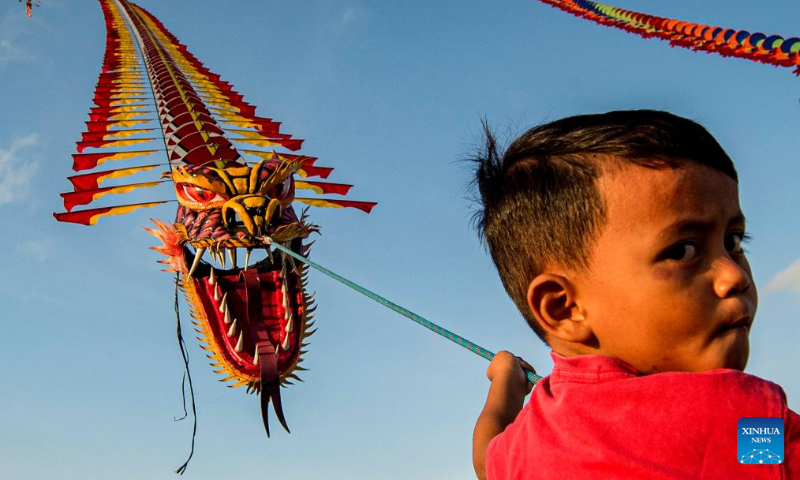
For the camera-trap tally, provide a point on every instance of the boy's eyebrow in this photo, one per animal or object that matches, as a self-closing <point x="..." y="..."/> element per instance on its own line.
<point x="696" y="225"/>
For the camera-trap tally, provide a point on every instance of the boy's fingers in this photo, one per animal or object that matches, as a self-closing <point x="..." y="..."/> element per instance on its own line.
<point x="503" y="360"/>
<point x="525" y="365"/>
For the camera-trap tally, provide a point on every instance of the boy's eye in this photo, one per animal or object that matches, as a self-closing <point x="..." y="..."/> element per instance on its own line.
<point x="733" y="242"/>
<point x="682" y="252"/>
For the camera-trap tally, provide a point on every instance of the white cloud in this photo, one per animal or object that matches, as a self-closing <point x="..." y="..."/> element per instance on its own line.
<point x="39" y="249"/>
<point x="787" y="279"/>
<point x="347" y="16"/>
<point x="10" y="31"/>
<point x="351" y="19"/>
<point x="15" y="171"/>
<point x="10" y="52"/>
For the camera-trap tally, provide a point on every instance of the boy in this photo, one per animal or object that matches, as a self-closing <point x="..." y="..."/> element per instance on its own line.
<point x="619" y="237"/>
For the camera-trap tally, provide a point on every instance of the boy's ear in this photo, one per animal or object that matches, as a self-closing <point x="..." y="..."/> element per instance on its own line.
<point x="551" y="299"/>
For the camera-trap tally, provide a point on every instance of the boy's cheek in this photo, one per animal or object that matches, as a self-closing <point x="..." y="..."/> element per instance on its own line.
<point x="662" y="273"/>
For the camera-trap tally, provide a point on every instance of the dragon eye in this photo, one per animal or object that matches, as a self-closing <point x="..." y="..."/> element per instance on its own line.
<point x="197" y="195"/>
<point x="282" y="190"/>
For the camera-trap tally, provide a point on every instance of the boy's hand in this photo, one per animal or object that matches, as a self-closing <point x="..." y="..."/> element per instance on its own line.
<point x="506" y="394"/>
<point x="507" y="368"/>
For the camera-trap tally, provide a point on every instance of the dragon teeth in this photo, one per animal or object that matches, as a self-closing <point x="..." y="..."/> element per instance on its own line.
<point x="219" y="258"/>
<point x="232" y="330"/>
<point x="197" y="257"/>
<point x="223" y="305"/>
<point x="285" y="344"/>
<point x="232" y="257"/>
<point x="255" y="356"/>
<point x="211" y="279"/>
<point x="240" y="343"/>
<point x="216" y="294"/>
<point x="289" y="326"/>
<point x="227" y="315"/>
<point x="247" y="258"/>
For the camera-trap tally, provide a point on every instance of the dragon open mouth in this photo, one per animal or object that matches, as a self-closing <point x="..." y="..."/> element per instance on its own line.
<point x="245" y="309"/>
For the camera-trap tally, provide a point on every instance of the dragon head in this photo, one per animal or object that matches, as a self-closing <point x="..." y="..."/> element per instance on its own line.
<point x="247" y="312"/>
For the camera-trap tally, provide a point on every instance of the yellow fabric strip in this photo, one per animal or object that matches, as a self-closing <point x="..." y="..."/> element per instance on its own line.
<point x="299" y="184"/>
<point x="128" y="101"/>
<point x="265" y="155"/>
<point x="316" y="202"/>
<point x="121" y="210"/>
<point x="240" y="123"/>
<point x="126" y="188"/>
<point x="125" y="143"/>
<point x="249" y="134"/>
<point x="125" y="155"/>
<point x="258" y="143"/>
<point x="126" y="133"/>
<point x="124" y="172"/>
<point x="127" y="123"/>
<point x="127" y="115"/>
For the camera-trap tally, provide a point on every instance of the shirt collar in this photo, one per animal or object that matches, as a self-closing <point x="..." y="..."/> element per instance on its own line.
<point x="589" y="369"/>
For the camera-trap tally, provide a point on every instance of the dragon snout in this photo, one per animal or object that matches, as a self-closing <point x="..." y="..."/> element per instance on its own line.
<point x="254" y="212"/>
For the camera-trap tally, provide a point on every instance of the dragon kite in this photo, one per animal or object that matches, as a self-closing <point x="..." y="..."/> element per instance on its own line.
<point x="253" y="316"/>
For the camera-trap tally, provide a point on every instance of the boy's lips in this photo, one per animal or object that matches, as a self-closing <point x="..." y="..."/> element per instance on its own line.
<point x="745" y="321"/>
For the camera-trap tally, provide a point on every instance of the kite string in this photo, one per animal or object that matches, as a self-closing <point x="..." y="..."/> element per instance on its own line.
<point x="186" y="374"/>
<point x="463" y="342"/>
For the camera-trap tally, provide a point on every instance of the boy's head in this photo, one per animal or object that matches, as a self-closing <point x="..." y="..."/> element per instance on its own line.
<point x="620" y="234"/>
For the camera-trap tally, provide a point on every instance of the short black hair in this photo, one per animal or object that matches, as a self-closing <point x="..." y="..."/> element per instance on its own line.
<point x="539" y="200"/>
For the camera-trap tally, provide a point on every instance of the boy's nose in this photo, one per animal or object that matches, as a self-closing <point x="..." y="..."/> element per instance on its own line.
<point x="730" y="277"/>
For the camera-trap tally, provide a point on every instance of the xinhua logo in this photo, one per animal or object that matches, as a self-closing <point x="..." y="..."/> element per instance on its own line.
<point x="760" y="440"/>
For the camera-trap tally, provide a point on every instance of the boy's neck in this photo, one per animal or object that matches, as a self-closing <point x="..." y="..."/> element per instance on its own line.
<point x="571" y="349"/>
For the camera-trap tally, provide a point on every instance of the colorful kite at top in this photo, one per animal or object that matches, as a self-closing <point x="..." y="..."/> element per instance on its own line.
<point x="771" y="49"/>
<point x="254" y="316"/>
<point x="29" y="5"/>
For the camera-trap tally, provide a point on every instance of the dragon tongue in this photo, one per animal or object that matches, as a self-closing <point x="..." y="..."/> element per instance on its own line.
<point x="267" y="358"/>
<point x="253" y="298"/>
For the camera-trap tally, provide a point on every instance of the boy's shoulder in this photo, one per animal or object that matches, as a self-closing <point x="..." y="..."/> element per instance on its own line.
<point x="608" y="381"/>
<point x="600" y="412"/>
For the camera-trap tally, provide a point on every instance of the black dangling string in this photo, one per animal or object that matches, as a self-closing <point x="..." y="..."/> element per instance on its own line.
<point x="186" y="374"/>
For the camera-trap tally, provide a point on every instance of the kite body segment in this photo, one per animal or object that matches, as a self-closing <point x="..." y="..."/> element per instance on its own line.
<point x="249" y="304"/>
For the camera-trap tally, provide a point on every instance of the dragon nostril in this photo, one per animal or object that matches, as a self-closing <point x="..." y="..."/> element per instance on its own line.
<point x="276" y="217"/>
<point x="231" y="219"/>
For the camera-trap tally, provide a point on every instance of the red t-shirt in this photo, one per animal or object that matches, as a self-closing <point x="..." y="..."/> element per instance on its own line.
<point x="598" y="417"/>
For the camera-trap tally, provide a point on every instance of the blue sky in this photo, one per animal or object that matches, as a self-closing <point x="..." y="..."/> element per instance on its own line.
<point x="390" y="94"/>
